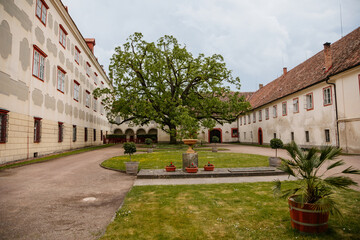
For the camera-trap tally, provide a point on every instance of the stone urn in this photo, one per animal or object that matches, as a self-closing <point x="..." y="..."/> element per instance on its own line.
<point x="190" y="143"/>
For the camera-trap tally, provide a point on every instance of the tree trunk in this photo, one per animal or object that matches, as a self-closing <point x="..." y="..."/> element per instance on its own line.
<point x="172" y="129"/>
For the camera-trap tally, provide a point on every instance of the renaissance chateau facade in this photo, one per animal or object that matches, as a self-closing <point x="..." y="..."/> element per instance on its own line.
<point x="48" y="72"/>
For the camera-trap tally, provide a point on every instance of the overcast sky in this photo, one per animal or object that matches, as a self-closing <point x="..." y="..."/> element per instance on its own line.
<point x="257" y="38"/>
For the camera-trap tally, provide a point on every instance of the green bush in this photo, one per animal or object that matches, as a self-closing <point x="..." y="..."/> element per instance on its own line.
<point x="215" y="139"/>
<point x="129" y="148"/>
<point x="148" y="141"/>
<point x="276" y="143"/>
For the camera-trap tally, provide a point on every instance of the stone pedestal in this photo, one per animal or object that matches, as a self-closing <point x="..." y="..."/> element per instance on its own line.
<point x="188" y="159"/>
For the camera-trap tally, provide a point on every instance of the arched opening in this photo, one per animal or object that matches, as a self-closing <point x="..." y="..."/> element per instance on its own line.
<point x="140" y="135"/>
<point x="215" y="132"/>
<point x="118" y="131"/>
<point x="130" y="135"/>
<point x="153" y="134"/>
<point x="260" y="136"/>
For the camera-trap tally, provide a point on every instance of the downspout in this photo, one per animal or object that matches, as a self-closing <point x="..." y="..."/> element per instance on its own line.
<point x="336" y="112"/>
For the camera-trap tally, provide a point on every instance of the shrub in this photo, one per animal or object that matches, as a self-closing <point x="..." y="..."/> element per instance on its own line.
<point x="148" y="141"/>
<point x="215" y="139"/>
<point x="129" y="148"/>
<point x="276" y="143"/>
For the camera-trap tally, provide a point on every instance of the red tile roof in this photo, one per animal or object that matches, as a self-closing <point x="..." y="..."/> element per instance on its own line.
<point x="345" y="55"/>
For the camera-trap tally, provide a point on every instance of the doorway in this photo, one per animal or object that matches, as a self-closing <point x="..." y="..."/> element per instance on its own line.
<point x="215" y="132"/>
<point x="260" y="136"/>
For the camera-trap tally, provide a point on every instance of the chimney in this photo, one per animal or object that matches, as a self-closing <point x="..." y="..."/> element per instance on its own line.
<point x="284" y="71"/>
<point x="66" y="8"/>
<point x="91" y="43"/>
<point x="260" y="86"/>
<point x="327" y="54"/>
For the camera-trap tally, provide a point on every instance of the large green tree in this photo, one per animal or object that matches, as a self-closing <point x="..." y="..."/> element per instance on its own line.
<point x="165" y="83"/>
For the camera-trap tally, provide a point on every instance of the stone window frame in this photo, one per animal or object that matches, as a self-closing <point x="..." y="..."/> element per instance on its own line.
<point x="37" y="129"/>
<point x="60" y="132"/>
<point x="62" y="36"/>
<point x="76" y="91"/>
<point x="61" y="79"/>
<point x="38" y="63"/>
<point x="327" y="96"/>
<point x="4" y="120"/>
<point x="41" y="4"/>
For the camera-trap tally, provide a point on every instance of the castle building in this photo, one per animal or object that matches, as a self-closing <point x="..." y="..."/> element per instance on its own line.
<point x="47" y="74"/>
<point x="317" y="103"/>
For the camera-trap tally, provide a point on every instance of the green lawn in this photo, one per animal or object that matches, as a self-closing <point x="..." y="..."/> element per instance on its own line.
<point x="158" y="160"/>
<point x="220" y="211"/>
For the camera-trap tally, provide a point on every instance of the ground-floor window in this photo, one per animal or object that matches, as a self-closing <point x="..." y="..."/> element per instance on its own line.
<point x="86" y="134"/>
<point x="74" y="133"/>
<point x="94" y="135"/>
<point x="37" y="130"/>
<point x="327" y="135"/>
<point x="101" y="134"/>
<point x="3" y="125"/>
<point x="60" y="131"/>
<point x="244" y="135"/>
<point x="274" y="135"/>
<point x="307" y="136"/>
<point x="292" y="136"/>
<point x="234" y="132"/>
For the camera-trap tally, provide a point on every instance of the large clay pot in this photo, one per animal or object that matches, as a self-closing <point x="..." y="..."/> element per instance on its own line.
<point x="306" y="218"/>
<point x="190" y="143"/>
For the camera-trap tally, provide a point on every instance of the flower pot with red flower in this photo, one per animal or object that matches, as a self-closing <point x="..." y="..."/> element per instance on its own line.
<point x="170" y="168"/>
<point x="209" y="167"/>
<point x="192" y="168"/>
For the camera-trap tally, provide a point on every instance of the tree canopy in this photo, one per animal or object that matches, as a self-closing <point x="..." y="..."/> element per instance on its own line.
<point x="165" y="83"/>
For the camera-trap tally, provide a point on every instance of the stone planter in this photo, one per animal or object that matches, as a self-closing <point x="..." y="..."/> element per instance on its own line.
<point x="132" y="167"/>
<point x="190" y="143"/>
<point x="306" y="217"/>
<point x="214" y="149"/>
<point x="150" y="150"/>
<point x="274" y="161"/>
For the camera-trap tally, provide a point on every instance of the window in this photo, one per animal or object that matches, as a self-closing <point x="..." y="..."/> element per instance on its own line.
<point x="76" y="90"/>
<point x="60" y="132"/>
<point x="274" y="135"/>
<point x="254" y="117"/>
<point x="244" y="135"/>
<point x="62" y="36"/>
<point x="295" y="105"/>
<point x="240" y="120"/>
<point x="95" y="78"/>
<point x="41" y="10"/>
<point x="94" y="135"/>
<point x="88" y="69"/>
<point x="37" y="130"/>
<point x="267" y="113"/>
<point x="327" y="135"/>
<point x="309" y="104"/>
<point x="275" y="111"/>
<point x="102" y="108"/>
<point x="74" y="133"/>
<point x="3" y="125"/>
<point x="39" y="63"/>
<point x="234" y="132"/>
<point x="244" y="120"/>
<point x="251" y="135"/>
<point x="77" y="55"/>
<point x="292" y="136"/>
<point x="101" y="134"/>
<point x="249" y="121"/>
<point x="307" y="136"/>
<point x="95" y="104"/>
<point x="260" y="115"/>
<point x="86" y="134"/>
<point x="284" y="108"/>
<point x="87" y="98"/>
<point x="327" y="96"/>
<point x="61" y="79"/>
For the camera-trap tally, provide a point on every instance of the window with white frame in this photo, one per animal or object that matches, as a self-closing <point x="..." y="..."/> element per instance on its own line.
<point x="309" y="104"/>
<point x="275" y="111"/>
<point x="39" y="63"/>
<point x="41" y="11"/>
<point x="267" y="113"/>
<point x="327" y="96"/>
<point x="87" y="98"/>
<point x="254" y="117"/>
<point x="284" y="108"/>
<point x="260" y="115"/>
<point x="76" y="90"/>
<point x="77" y="55"/>
<point x="62" y="36"/>
<point x="295" y="105"/>
<point x="61" y="80"/>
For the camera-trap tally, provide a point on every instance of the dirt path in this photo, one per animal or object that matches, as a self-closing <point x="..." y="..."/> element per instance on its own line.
<point x="68" y="198"/>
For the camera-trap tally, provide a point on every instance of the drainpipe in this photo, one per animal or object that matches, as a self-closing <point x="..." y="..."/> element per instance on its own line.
<point x="336" y="112"/>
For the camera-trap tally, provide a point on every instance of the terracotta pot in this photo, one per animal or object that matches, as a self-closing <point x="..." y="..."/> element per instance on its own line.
<point x="190" y="143"/>
<point x="209" y="168"/>
<point x="170" y="169"/>
<point x="191" y="170"/>
<point x="306" y="218"/>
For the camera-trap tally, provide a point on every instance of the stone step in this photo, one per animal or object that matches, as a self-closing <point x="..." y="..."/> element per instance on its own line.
<point x="218" y="172"/>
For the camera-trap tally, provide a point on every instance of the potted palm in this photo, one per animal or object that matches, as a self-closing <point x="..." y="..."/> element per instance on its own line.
<point x="275" y="143"/>
<point x="131" y="167"/>
<point x="311" y="201"/>
<point x="215" y="139"/>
